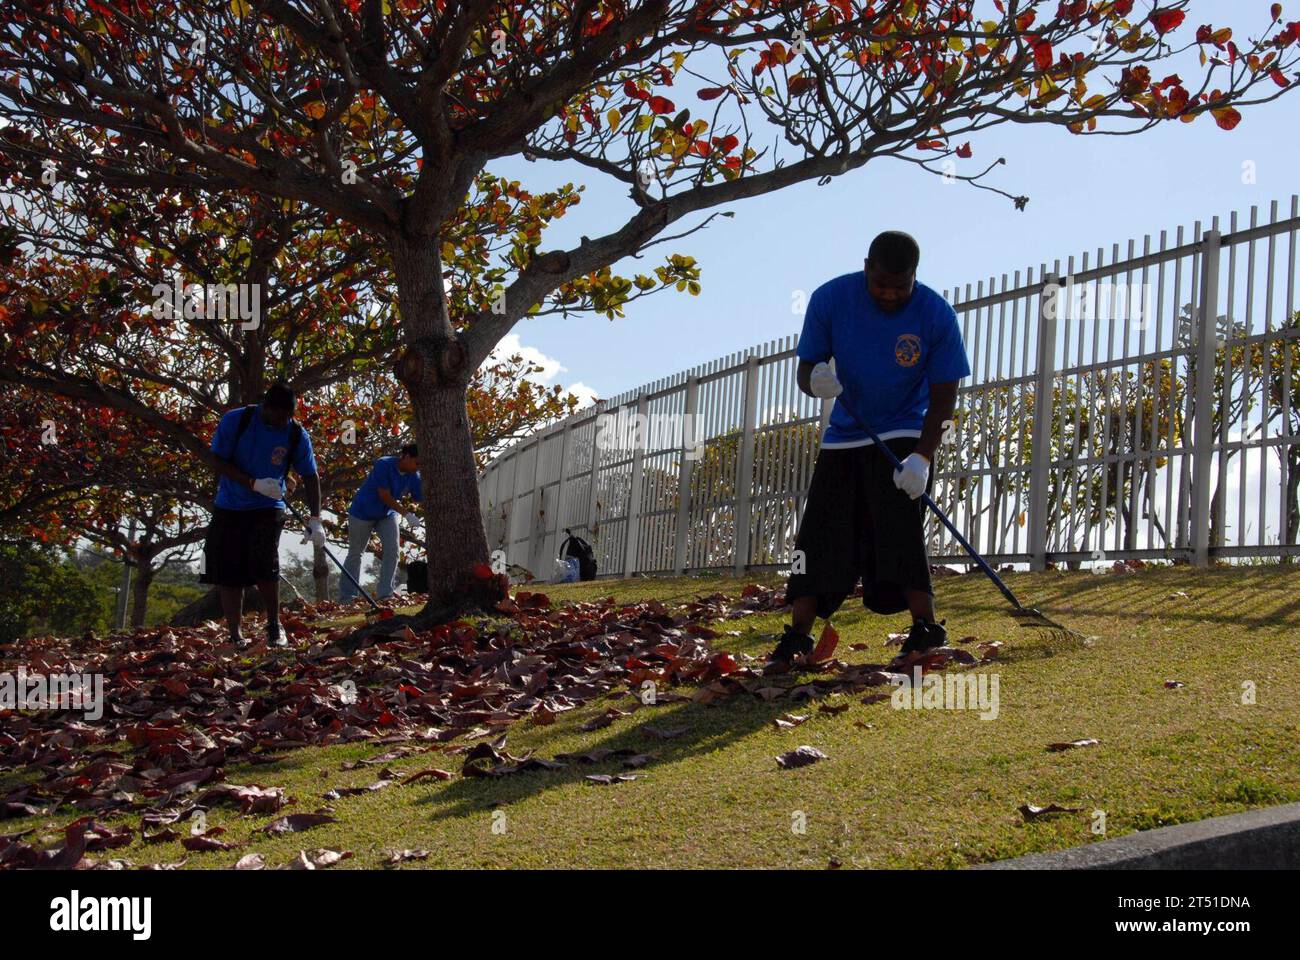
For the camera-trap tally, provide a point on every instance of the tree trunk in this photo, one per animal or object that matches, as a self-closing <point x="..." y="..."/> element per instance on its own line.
<point x="144" y="574"/>
<point x="320" y="573"/>
<point x="208" y="607"/>
<point x="434" y="371"/>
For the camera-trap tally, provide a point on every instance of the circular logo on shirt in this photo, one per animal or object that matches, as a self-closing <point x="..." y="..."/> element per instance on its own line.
<point x="907" y="350"/>
<point x="278" y="455"/>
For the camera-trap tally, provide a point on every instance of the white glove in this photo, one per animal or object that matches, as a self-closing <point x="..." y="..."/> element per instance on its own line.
<point x="911" y="479"/>
<point x="824" y="383"/>
<point x="411" y="519"/>
<point x="315" y="532"/>
<point x="268" y="487"/>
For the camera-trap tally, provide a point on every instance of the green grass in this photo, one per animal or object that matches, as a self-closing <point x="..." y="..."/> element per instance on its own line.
<point x="901" y="788"/>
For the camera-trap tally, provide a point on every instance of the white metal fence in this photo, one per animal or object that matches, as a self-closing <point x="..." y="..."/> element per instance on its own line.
<point x="1085" y="432"/>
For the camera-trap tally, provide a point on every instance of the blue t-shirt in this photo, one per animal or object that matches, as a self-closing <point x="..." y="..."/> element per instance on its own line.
<point x="886" y="362"/>
<point x="366" y="505"/>
<point x="261" y="452"/>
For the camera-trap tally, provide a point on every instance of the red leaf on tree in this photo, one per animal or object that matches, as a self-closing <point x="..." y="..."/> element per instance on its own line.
<point x="661" y="105"/>
<point x="1166" y="20"/>
<point x="711" y="93"/>
<point x="964" y="151"/>
<point x="1279" y="78"/>
<point x="1227" y="117"/>
<point x="1042" y="54"/>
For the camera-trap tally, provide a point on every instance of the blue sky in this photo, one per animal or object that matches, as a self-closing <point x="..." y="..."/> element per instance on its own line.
<point x="1084" y="192"/>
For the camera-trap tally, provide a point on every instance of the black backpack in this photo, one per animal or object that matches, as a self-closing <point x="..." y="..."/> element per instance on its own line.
<point x="581" y="550"/>
<point x="295" y="435"/>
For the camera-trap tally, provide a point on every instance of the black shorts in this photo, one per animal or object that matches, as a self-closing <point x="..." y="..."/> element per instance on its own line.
<point x="242" y="548"/>
<point x="858" y="524"/>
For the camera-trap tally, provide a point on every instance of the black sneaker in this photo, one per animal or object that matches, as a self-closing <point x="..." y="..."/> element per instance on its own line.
<point x="925" y="636"/>
<point x="276" y="638"/>
<point x="792" y="644"/>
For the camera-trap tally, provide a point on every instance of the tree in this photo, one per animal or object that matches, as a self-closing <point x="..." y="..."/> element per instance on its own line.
<point x="381" y="115"/>
<point x="41" y="591"/>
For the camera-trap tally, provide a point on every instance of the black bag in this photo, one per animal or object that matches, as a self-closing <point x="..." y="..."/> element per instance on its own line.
<point x="417" y="577"/>
<point x="580" y="549"/>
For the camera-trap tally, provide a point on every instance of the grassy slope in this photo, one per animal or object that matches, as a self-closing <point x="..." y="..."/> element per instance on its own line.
<point x="914" y="789"/>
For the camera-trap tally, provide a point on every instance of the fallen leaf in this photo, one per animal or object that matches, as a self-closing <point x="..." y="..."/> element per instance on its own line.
<point x="297" y="822"/>
<point x="607" y="779"/>
<point x="800" y="757"/>
<point x="432" y="773"/>
<point x="1031" y="812"/>
<point x="1071" y="745"/>
<point x="402" y="856"/>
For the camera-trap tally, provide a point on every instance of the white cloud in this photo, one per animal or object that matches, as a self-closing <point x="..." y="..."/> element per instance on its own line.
<point x="551" y="367"/>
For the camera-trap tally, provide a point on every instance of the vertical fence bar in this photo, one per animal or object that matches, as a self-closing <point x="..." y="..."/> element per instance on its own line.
<point x="634" y="494"/>
<point x="684" y="472"/>
<point x="537" y="524"/>
<point x="565" y="452"/>
<point x="745" y="464"/>
<point x="594" y="499"/>
<point x="1203" y="426"/>
<point x="1041" y="452"/>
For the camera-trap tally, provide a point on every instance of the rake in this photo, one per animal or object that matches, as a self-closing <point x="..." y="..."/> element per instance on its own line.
<point x="374" y="607"/>
<point x="1026" y="616"/>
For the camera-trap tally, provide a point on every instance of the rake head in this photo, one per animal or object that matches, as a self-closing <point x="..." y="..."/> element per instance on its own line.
<point x="1036" y="619"/>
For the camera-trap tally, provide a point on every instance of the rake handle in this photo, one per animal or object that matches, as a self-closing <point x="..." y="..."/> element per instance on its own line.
<point x="337" y="563"/>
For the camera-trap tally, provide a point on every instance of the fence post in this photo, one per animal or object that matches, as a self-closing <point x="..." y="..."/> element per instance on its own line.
<point x="537" y="519"/>
<point x="1203" y="425"/>
<point x="595" y="472"/>
<point x="684" y="472"/>
<point x="745" y="464"/>
<point x="634" y="494"/>
<point x="560" y="490"/>
<point x="1041" y="452"/>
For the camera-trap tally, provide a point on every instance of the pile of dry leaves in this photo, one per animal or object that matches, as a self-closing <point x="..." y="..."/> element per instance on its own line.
<point x="188" y="704"/>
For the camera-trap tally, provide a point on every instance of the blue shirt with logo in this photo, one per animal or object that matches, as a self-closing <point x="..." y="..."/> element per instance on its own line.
<point x="366" y="505"/>
<point x="260" y="453"/>
<point x="886" y="362"/>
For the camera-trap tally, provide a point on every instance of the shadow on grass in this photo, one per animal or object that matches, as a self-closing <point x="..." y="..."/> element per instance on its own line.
<point x="708" y="727"/>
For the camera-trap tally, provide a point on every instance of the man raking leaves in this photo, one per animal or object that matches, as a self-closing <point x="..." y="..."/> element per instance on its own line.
<point x="898" y="356"/>
<point x="376" y="508"/>
<point x="255" y="446"/>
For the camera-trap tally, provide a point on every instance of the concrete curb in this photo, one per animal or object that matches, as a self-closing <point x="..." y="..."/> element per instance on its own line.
<point x="1258" y="839"/>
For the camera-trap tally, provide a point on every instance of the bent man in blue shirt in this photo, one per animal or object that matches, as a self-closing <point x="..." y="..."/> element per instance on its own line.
<point x="375" y="508"/>
<point x="255" y="447"/>
<point x="898" y="357"/>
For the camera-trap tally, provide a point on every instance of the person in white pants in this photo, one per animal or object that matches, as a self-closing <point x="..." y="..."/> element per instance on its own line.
<point x="376" y="508"/>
